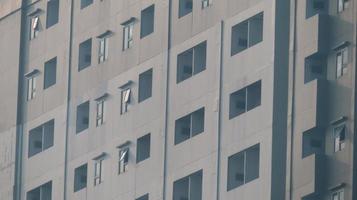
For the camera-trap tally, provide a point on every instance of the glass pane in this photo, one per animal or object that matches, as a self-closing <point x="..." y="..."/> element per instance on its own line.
<point x="239" y="38"/>
<point x="182" y="129"/>
<point x="184" y="65"/>
<point x="237" y="103"/>
<point x="198" y="121"/>
<point x="196" y="186"/>
<point x="339" y="65"/>
<point x="181" y="189"/>
<point x="235" y="176"/>
<point x="48" y="134"/>
<point x="255" y="29"/>
<point x="253" y="95"/>
<point x="35" y="141"/>
<point x="252" y="163"/>
<point x="200" y="57"/>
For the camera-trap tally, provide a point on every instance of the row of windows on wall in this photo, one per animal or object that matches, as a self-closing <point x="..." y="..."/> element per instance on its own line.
<point x="314" y="7"/>
<point x="49" y="79"/>
<point x="144" y="93"/>
<point x="314" y="140"/>
<point x="186" y="6"/>
<point x="85" y="48"/>
<point x="315" y="65"/>
<point x="44" y="192"/>
<point x="243" y="167"/>
<point x="51" y="18"/>
<point x="186" y="127"/>
<point x="189" y="62"/>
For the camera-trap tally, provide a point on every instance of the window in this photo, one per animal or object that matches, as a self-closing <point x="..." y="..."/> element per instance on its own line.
<point x="341" y="62"/>
<point x="85" y="54"/>
<point x="185" y="7"/>
<point x="41" y="138"/>
<point x="35" y="27"/>
<point x="339" y="135"/>
<point x="85" y="3"/>
<point x="123" y="160"/>
<point x="52" y="12"/>
<point x="125" y="100"/>
<point x="189" y="187"/>
<point x="103" y="50"/>
<point x="189" y="125"/>
<point x="128" y="35"/>
<point x="43" y="192"/>
<point x="50" y="73"/>
<point x="206" y="3"/>
<point x="98" y="169"/>
<point x="31" y="87"/>
<point x="100" y="112"/>
<point x="314" y="68"/>
<point x="338" y="195"/>
<point x="247" y="34"/>
<point x="245" y="99"/>
<point x="312" y="142"/>
<point x="145" y="85"/>
<point x="191" y="62"/>
<point x="314" y="7"/>
<point x="147" y="21"/>
<point x="144" y="197"/>
<point x="342" y="5"/>
<point x="80" y="177"/>
<point x="243" y="167"/>
<point x="143" y="148"/>
<point x="82" y="117"/>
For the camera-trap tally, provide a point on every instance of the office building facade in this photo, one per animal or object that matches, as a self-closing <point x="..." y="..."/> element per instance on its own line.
<point x="177" y="99"/>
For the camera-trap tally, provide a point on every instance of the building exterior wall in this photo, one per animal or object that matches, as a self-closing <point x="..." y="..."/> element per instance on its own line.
<point x="289" y="106"/>
<point x="10" y="20"/>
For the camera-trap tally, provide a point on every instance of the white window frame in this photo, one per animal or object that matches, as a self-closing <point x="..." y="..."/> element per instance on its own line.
<point x="128" y="36"/>
<point x="103" y="50"/>
<point x="100" y="112"/>
<point x="31" y="88"/>
<point x="98" y="172"/>
<point x="125" y="100"/>
<point x="34" y="27"/>
<point x="339" y="144"/>
<point x="122" y="164"/>
<point x="341" y="62"/>
<point x="205" y="3"/>
<point x="342" y="5"/>
<point x="338" y="195"/>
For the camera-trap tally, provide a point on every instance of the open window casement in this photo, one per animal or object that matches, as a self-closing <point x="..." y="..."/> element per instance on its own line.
<point x="104" y="46"/>
<point x="31" y="83"/>
<point x="125" y="100"/>
<point x="98" y="168"/>
<point x="101" y="101"/>
<point x="128" y="27"/>
<point x="35" y="24"/>
<point x="123" y="159"/>
<point x="125" y="96"/>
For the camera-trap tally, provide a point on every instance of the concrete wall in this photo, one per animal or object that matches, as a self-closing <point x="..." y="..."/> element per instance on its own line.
<point x="268" y="124"/>
<point x="9" y="56"/>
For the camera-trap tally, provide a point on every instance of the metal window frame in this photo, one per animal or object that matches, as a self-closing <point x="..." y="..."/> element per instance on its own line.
<point x="100" y="112"/>
<point x="205" y="3"/>
<point x="339" y="144"/>
<point x="125" y="100"/>
<point x="98" y="174"/>
<point x="123" y="152"/>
